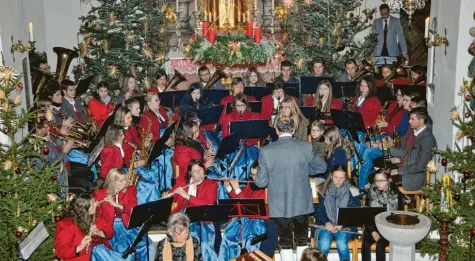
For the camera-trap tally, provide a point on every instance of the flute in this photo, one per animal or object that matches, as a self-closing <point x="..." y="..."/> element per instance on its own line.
<point x="117" y="193"/>
<point x="224" y="179"/>
<point x="344" y="231"/>
<point x="189" y="184"/>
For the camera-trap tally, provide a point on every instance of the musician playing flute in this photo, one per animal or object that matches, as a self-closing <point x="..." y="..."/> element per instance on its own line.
<point x="79" y="236"/>
<point x="117" y="198"/>
<point x="271" y="103"/>
<point x="338" y="192"/>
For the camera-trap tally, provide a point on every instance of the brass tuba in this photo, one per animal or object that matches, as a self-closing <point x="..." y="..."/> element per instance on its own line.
<point x="366" y="68"/>
<point x="65" y="57"/>
<point x="397" y="70"/>
<point x="41" y="78"/>
<point x="217" y="75"/>
<point x="177" y="79"/>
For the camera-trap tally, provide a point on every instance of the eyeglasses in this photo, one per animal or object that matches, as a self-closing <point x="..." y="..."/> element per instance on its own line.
<point x="380" y="181"/>
<point x="240" y="105"/>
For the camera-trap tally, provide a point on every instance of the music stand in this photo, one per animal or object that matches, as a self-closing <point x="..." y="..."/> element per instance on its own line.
<point x="228" y="145"/>
<point x="291" y="89"/>
<point x="210" y="115"/>
<point x="309" y="84"/>
<point x="83" y="85"/>
<point x="171" y="99"/>
<point x="255" y="106"/>
<point x="145" y="216"/>
<point x="250" y="208"/>
<point x="257" y="92"/>
<point x="344" y="89"/>
<point x="212" y="213"/>
<point x="351" y="121"/>
<point x="348" y="217"/>
<point x="312" y="114"/>
<point x="214" y="95"/>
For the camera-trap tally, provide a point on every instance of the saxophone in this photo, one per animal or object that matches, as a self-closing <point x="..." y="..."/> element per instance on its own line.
<point x="130" y="175"/>
<point x="383" y="112"/>
<point x="147" y="138"/>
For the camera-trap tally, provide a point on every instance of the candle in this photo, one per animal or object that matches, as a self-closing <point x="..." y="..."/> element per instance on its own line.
<point x="255" y="5"/>
<point x="249" y="27"/>
<point x="196" y="5"/>
<point x="272" y="5"/>
<point x="212" y="35"/>
<point x="257" y="35"/>
<point x="426" y="31"/>
<point x="30" y="26"/>
<point x="249" y="11"/>
<point x="205" y="29"/>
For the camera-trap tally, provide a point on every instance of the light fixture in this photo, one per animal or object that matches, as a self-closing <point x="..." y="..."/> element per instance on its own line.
<point x="409" y="6"/>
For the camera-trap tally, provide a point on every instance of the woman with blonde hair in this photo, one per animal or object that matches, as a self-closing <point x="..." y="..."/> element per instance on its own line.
<point x="339" y="150"/>
<point x="119" y="197"/>
<point x="154" y="115"/>
<point x="289" y="108"/>
<point x="324" y="101"/>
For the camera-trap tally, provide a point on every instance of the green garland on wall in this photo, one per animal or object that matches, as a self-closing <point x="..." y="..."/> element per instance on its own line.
<point x="231" y="50"/>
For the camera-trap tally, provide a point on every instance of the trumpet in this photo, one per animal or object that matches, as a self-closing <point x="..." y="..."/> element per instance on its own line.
<point x="183" y="187"/>
<point x="71" y="136"/>
<point x="225" y="178"/>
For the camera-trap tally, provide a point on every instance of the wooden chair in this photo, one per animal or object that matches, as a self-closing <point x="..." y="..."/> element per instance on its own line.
<point x="418" y="194"/>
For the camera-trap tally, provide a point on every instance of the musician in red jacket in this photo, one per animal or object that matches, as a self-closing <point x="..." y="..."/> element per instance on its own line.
<point x="188" y="148"/>
<point x="161" y="79"/>
<point x="366" y="102"/>
<point x="78" y="237"/>
<point x="154" y="117"/>
<point x="271" y="102"/>
<point x="324" y="101"/>
<point x="199" y="191"/>
<point x="387" y="71"/>
<point x="237" y="86"/>
<point x="132" y="139"/>
<point x="393" y="115"/>
<point x="101" y="106"/>
<point x="112" y="156"/>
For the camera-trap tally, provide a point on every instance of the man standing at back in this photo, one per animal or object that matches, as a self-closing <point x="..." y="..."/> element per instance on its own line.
<point x="390" y="37"/>
<point x="284" y="168"/>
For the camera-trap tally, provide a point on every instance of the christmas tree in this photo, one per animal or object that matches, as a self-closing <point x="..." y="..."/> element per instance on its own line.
<point x="453" y="196"/>
<point x="326" y="29"/>
<point x="123" y="34"/>
<point x="28" y="187"/>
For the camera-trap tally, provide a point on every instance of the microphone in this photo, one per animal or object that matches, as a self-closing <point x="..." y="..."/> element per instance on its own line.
<point x="259" y="238"/>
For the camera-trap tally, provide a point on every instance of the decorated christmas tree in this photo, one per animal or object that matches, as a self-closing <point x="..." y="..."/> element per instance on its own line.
<point x="327" y="30"/>
<point x="453" y="196"/>
<point x="28" y="187"/>
<point x="123" y="34"/>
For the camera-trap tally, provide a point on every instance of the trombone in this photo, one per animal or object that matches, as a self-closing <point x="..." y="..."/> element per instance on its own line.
<point x="365" y="69"/>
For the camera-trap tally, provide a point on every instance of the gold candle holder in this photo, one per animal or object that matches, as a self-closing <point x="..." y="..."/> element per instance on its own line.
<point x="20" y="47"/>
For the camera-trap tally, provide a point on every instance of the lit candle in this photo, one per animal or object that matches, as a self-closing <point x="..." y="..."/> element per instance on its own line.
<point x="272" y="5"/>
<point x="30" y="26"/>
<point x="177" y="6"/>
<point x="426" y="31"/>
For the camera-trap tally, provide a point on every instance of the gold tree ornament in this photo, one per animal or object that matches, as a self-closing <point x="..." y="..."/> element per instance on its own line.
<point x="52" y="197"/>
<point x="147" y="82"/>
<point x="459" y="134"/>
<point x="336" y="29"/>
<point x="105" y="46"/>
<point x="8" y="75"/>
<point x="147" y="52"/>
<point x="145" y="26"/>
<point x="308" y="2"/>
<point x="7" y="165"/>
<point x="455" y="115"/>
<point x="17" y="100"/>
<point x="321" y="41"/>
<point x="84" y="48"/>
<point x="160" y="58"/>
<point x="112" y="18"/>
<point x="113" y="71"/>
<point x="289" y="4"/>
<point x="432" y="167"/>
<point x="2" y="94"/>
<point x="163" y="7"/>
<point x="300" y="63"/>
<point x="129" y="37"/>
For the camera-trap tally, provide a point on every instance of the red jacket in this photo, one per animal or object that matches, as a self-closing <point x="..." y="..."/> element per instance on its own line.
<point x="337" y="104"/>
<point x="154" y="90"/>
<point x="397" y="81"/>
<point x="234" y="116"/>
<point x="206" y="194"/>
<point x="110" y="158"/>
<point x="393" y="117"/>
<point x="268" y="106"/>
<point x="131" y="135"/>
<point x="100" y="111"/>
<point x="182" y="156"/>
<point x="247" y="192"/>
<point x="230" y="98"/>
<point x="155" y="123"/>
<point x="68" y="236"/>
<point x="128" y="199"/>
<point x="369" y="110"/>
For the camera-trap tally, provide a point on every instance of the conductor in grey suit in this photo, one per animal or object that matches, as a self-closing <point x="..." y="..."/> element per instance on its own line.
<point x="415" y="153"/>
<point x="284" y="168"/>
<point x="390" y="37"/>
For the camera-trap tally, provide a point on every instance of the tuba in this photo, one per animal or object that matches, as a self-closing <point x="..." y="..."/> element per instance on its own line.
<point x="366" y="68"/>
<point x="217" y="75"/>
<point x="397" y="70"/>
<point x="41" y="78"/>
<point x="65" y="57"/>
<point x="177" y="79"/>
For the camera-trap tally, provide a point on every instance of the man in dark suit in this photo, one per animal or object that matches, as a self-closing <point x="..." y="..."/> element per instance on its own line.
<point x="415" y="152"/>
<point x="284" y="168"/>
<point x="71" y="106"/>
<point x="205" y="77"/>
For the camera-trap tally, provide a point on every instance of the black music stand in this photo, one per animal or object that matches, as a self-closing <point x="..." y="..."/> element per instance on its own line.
<point x="351" y="121"/>
<point x="312" y="114"/>
<point x="171" y="99"/>
<point x="291" y="89"/>
<point x="83" y="85"/>
<point x="249" y="129"/>
<point x="210" y="115"/>
<point x="257" y="92"/>
<point x="212" y="213"/>
<point x="214" y="95"/>
<point x="228" y="145"/>
<point x="145" y="216"/>
<point x="344" y="89"/>
<point x="255" y="106"/>
<point x="309" y="84"/>
<point x="250" y="208"/>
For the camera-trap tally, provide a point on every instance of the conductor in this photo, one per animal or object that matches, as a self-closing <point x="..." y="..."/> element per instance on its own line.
<point x="284" y="168"/>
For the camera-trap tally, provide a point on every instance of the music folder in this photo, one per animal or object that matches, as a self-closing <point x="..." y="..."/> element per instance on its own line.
<point x="228" y="145"/>
<point x="384" y="94"/>
<point x="155" y="211"/>
<point x="291" y="89"/>
<point x="214" y="95"/>
<point x="210" y="115"/>
<point x="344" y="89"/>
<point x="257" y="92"/>
<point x="255" y="106"/>
<point x="348" y="217"/>
<point x="351" y="121"/>
<point x="158" y="146"/>
<point x="250" y="128"/>
<point x="309" y="84"/>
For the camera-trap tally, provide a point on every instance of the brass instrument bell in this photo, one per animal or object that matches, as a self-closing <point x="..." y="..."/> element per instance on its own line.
<point x="366" y="68"/>
<point x="65" y="57"/>
<point x="177" y="79"/>
<point x="217" y="75"/>
<point x="397" y="71"/>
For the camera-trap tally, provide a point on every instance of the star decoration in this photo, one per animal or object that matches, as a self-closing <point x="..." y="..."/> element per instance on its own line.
<point x="105" y="46"/>
<point x="7" y="165"/>
<point x="300" y="63"/>
<point x="289" y="4"/>
<point x="129" y="37"/>
<point x="112" y="18"/>
<point x="8" y="75"/>
<point x="432" y="167"/>
<point x="163" y="7"/>
<point x="308" y="2"/>
<point x="147" y="52"/>
<point x="147" y="82"/>
<point x="160" y="57"/>
<point x="17" y="100"/>
<point x="459" y="134"/>
<point x="455" y="115"/>
<point x="113" y="71"/>
<point x="84" y="48"/>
